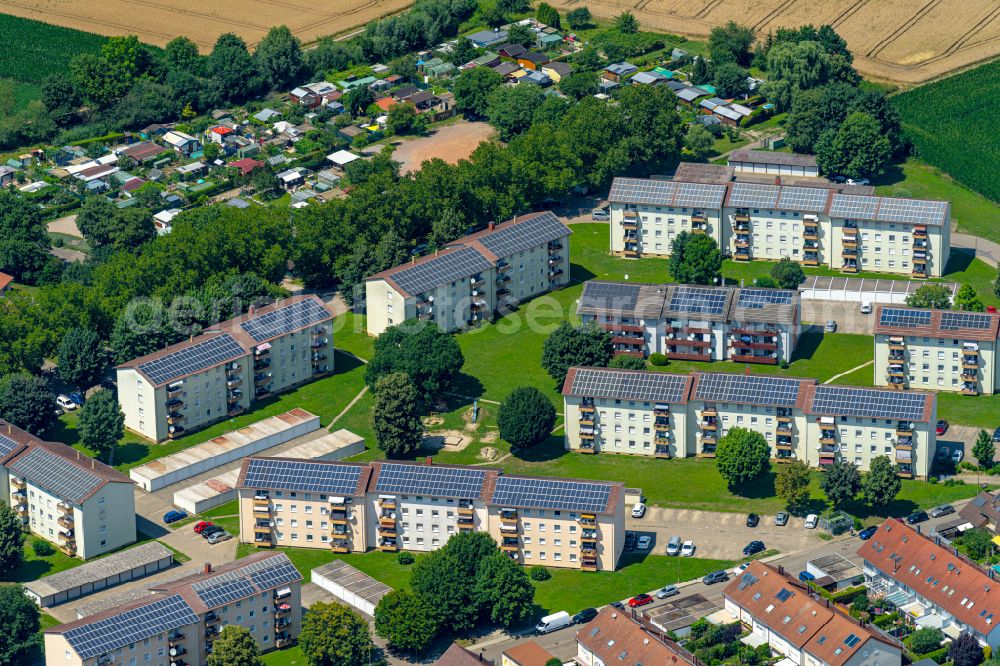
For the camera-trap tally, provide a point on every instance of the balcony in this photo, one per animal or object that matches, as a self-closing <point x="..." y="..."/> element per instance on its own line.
<point x="783" y="430"/>
<point x="174" y="390"/>
<point x="262" y="365"/>
<point x="211" y="617"/>
<point x="587" y="419"/>
<point x="708" y="411"/>
<point x="508" y="516"/>
<point x="263" y="538"/>
<point x="68" y="549"/>
<point x="587" y="519"/>
<point x="741" y="255"/>
<point x="810" y="260"/>
<point x="905" y="471"/>
<point x="784" y="415"/>
<point x="895" y="370"/>
<point x="850" y="243"/>
<point x="554" y="273"/>
<point x="707" y="450"/>
<point x="849" y="268"/>
<point x="65" y="508"/>
<point x="388" y="546"/>
<point x="509" y="545"/>
<point x="919" y="231"/>
<point x="174" y="404"/>
<point x="662" y="451"/>
<point x="177" y="651"/>
<point x="65" y="522"/>
<point x="897" y="343"/>
<point x="700" y="228"/>
<point x="904" y="443"/>
<point x="338" y="517"/>
<point x="174" y="638"/>
<point x="586" y="446"/>
<point x="784" y="444"/>
<point x="318" y="343"/>
<point x="688" y="356"/>
<point x="742" y="242"/>
<point x="18" y="483"/>
<point x="848" y="253"/>
<point x="709" y="424"/>
<point x="810" y="234"/>
<point x="970" y="388"/>
<point x="503" y="268"/>
<point x="554" y="246"/>
<point x="339" y="546"/>
<point x="554" y="259"/>
<point x="466" y="523"/>
<point x="282" y="640"/>
<point x="587" y="405"/>
<point x="970" y="362"/>
<point x="827" y="437"/>
<point x="919" y="271"/>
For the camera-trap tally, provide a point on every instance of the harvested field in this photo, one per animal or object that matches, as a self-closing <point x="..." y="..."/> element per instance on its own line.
<point x="159" y="21"/>
<point x="902" y="41"/>
<point x="450" y="143"/>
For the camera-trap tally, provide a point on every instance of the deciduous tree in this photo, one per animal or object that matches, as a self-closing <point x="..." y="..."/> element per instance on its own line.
<point x="334" y="635"/>
<point x="521" y="34"/>
<point x="547" y="14"/>
<point x="20" y="619"/>
<point x="406" y="620"/>
<point x="102" y="424"/>
<point x="626" y="23"/>
<point x="567" y="346"/>
<point x="881" y="484"/>
<point x="578" y="18"/>
<point x="431" y="358"/>
<point x="840" y="482"/>
<point x="503" y="590"/>
<point x="791" y="484"/>
<point x="741" y="456"/>
<point x="978" y="542"/>
<point x="27" y="402"/>
<point x="235" y="646"/>
<point x="731" y="43"/>
<point x="926" y="640"/>
<point x="511" y="109"/>
<point x="446" y="579"/>
<point x="936" y="296"/>
<point x="695" y="259"/>
<point x="857" y="149"/>
<point x="279" y="57"/>
<point x="232" y="68"/>
<point x="395" y="415"/>
<point x="730" y="80"/>
<point x="11" y="543"/>
<point x="580" y="84"/>
<point x="965" y="650"/>
<point x="627" y="362"/>
<point x="525" y="417"/>
<point x="24" y="243"/>
<point x="82" y="358"/>
<point x="788" y="274"/>
<point x="984" y="450"/>
<point x="968" y="300"/>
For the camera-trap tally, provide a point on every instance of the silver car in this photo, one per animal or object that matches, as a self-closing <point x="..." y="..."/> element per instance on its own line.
<point x="674" y="546"/>
<point x="219" y="537"/>
<point x="942" y="510"/>
<point x="600" y="214"/>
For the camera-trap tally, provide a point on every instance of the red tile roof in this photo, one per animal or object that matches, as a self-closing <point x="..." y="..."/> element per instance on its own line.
<point x="528" y="653"/>
<point x="617" y="639"/>
<point x="456" y="655"/>
<point x="246" y="165"/>
<point x="5" y="280"/>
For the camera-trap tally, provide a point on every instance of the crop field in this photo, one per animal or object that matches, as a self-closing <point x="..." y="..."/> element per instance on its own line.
<point x="952" y="124"/>
<point x="33" y="49"/>
<point x="903" y="41"/>
<point x="159" y="21"/>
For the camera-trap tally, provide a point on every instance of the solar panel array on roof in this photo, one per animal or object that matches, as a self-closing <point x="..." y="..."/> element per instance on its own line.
<point x="651" y="386"/>
<point x="643" y="191"/>
<point x="430" y="480"/>
<point x="319" y="477"/>
<point x="610" y="295"/>
<point x="132" y="626"/>
<point x="759" y="298"/>
<point x="874" y="403"/>
<point x="700" y="300"/>
<point x="285" y="319"/>
<point x="7" y="446"/>
<point x="56" y="474"/>
<point x="901" y="317"/>
<point x="747" y="389"/>
<point x="517" y="492"/>
<point x="699" y="195"/>
<point x="224" y="589"/>
<point x="952" y="321"/>
<point x="512" y="238"/>
<point x="754" y="195"/>
<point x="854" y="207"/>
<point x="194" y="358"/>
<point x="811" y="199"/>
<point x="272" y="572"/>
<point x="911" y="211"/>
<point x="441" y="270"/>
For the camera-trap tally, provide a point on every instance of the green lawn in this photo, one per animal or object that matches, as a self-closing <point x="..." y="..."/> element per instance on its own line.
<point x="378" y="565"/>
<point x="982" y="410"/>
<point x="288" y="657"/>
<point x="227" y="509"/>
<point x="35" y="566"/>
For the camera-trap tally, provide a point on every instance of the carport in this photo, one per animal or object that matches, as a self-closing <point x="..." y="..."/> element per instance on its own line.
<point x="833" y="567"/>
<point x="351" y="586"/>
<point x="678" y="614"/>
<point x="862" y="290"/>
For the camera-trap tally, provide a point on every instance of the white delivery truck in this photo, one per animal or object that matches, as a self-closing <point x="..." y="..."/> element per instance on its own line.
<point x="553" y="622"/>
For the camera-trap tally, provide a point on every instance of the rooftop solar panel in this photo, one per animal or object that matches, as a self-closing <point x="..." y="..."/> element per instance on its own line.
<point x="643" y="191"/>
<point x="912" y="211"/>
<point x="610" y="295"/>
<point x="650" y="386"/>
<point x="754" y="195"/>
<point x="511" y="238"/>
<point x="7" y="446"/>
<point x="285" y="319"/>
<point x="517" y="492"/>
<point x="852" y="206"/>
<point x="698" y="300"/>
<point x="904" y="317"/>
<point x="805" y="199"/>
<point x="318" y="477"/>
<point x="192" y="358"/>
<point x="272" y="572"/>
<point x="131" y="626"/>
<point x="760" y="298"/>
<point x="56" y="474"/>
<point x="874" y="403"/>
<point x="441" y="270"/>
<point x="953" y="321"/>
<point x="431" y="480"/>
<point x="699" y="195"/>
<point x="224" y="589"/>
<point x="747" y="389"/>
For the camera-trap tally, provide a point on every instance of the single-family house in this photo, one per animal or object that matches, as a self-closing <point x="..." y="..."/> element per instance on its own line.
<point x="291" y="178"/>
<point x="507" y="68"/>
<point x="528" y="653"/>
<point x="6" y="176"/>
<point x="193" y="170"/>
<point x="5" y="282"/>
<point x="532" y="60"/>
<point x="619" y="70"/>
<point x="311" y="94"/>
<point x="557" y="70"/>
<point x="246" y="165"/>
<point x="163" y="221"/>
<point x="982" y="511"/>
<point x="217" y="134"/>
<point x="131" y="185"/>
<point x="342" y="158"/>
<point x="182" y="143"/>
<point x="647" y="79"/>
<point x="511" y="50"/>
<point x="485" y="38"/>
<point x="266" y="115"/>
<point x="423" y="100"/>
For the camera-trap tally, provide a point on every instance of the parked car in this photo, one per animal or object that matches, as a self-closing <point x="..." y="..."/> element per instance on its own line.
<point x="941" y="510"/>
<point x="630" y="541"/>
<point x="753" y="520"/>
<point x="687" y="550"/>
<point x="639" y="510"/>
<point x="740" y="568"/>
<point x="219" y="537"/>
<point x="838" y="179"/>
<point x="942" y="427"/>
<point x="667" y="591"/>
<point x="640" y="600"/>
<point x="617" y="604"/>
<point x="916" y="517"/>
<point x="173" y="516"/>
<point x="553" y="622"/>
<point x="644" y="542"/>
<point x="600" y="214"/>
<point x="831" y="326"/>
<point x="866" y="308"/>
<point x="210" y="530"/>
<point x="753" y="548"/>
<point x="584" y="616"/>
<point x="868" y="533"/>
<point x="65" y="403"/>
<point x="77" y="398"/>
<point x="781" y="519"/>
<point x="857" y="181"/>
<point x="996" y="435"/>
<point x="812" y="520"/>
<point x="674" y="546"/>
<point x="806" y="577"/>
<point x="201" y="525"/>
<point x="956" y="455"/>
<point x="715" y="577"/>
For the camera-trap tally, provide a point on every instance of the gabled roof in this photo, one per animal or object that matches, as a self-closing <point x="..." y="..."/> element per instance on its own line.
<point x="5" y="280"/>
<point x="456" y="655"/>
<point x="772" y="157"/>
<point x="658" y="387"/>
<point x="617" y="639"/>
<point x="982" y="509"/>
<point x="674" y="193"/>
<point x="622" y="299"/>
<point x="528" y="653"/>
<point x="875" y="403"/>
<point x="761" y="390"/>
<point x="948" y="324"/>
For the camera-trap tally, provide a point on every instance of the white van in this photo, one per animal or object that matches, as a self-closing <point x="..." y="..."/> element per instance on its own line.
<point x="552" y="622"/>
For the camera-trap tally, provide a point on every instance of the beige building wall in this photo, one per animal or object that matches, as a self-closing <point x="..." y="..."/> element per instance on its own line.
<point x="631" y="427"/>
<point x="886" y="247"/>
<point x="302" y="520"/>
<point x="657" y="226"/>
<point x="936" y="364"/>
<point x="784" y="429"/>
<point x="773" y="234"/>
<point x="860" y="440"/>
<point x="386" y="307"/>
<point x="106" y="521"/>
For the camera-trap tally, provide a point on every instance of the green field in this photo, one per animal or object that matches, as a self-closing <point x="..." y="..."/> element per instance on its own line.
<point x="952" y="124"/>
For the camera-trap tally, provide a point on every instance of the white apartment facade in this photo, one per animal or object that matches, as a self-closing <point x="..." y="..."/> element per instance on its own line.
<point x="79" y="504"/>
<point x="466" y="282"/>
<point x="390" y="506"/>
<point x="831" y="226"/>
<point x="662" y="415"/>
<point x="179" y="621"/>
<point x="695" y="323"/>
<point x="940" y="350"/>
<point x="221" y="372"/>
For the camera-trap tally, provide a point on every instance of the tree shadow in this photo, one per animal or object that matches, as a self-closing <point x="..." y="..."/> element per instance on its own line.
<point x="808" y="343"/>
<point x="549" y="449"/>
<point x="760" y="488"/>
<point x="893" y="175"/>
<point x="130" y="452"/>
<point x="898" y="507"/>
<point x="29" y="571"/>
<point x="466" y="386"/>
<point x="61" y="432"/>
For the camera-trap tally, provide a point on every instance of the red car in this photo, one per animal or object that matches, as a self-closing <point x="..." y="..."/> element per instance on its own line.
<point x="942" y="427"/>
<point x="640" y="600"/>
<point x="201" y="526"/>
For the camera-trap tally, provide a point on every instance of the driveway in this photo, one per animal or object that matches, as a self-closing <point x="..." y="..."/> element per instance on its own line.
<point x="720" y="535"/>
<point x="847" y="315"/>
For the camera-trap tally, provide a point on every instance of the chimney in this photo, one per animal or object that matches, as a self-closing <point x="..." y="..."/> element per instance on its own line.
<point x="491" y="226"/>
<point x="77" y="455"/>
<point x="253" y="308"/>
<point x="93" y="464"/>
<point x="781" y="569"/>
<point x="207" y="569"/>
<point x="428" y="460"/>
<point x="777" y="180"/>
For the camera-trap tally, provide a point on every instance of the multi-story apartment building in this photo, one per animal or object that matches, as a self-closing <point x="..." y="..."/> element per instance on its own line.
<point x="666" y="415"/>
<point x="614" y="638"/>
<point x="780" y="613"/>
<point x="928" y="581"/>
<point x="941" y="350"/>
<point x="221" y="372"/>
<point x="477" y="275"/>
<point x="831" y="225"/>
<point x="180" y="620"/>
<point x="83" y="506"/>
<point x="694" y="323"/>
<point x="349" y="507"/>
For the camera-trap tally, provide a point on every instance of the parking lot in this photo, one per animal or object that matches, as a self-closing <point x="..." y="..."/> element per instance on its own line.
<point x="720" y="535"/>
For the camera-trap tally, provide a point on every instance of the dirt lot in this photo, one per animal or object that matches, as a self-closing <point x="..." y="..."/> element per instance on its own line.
<point x="895" y="40"/>
<point x="451" y="143"/>
<point x="159" y="21"/>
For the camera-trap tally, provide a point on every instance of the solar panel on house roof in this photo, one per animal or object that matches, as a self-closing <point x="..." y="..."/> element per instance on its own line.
<point x="610" y="295"/>
<point x="651" y="386"/>
<point x="747" y="389"/>
<point x="811" y="199"/>
<point x="7" y="446"/>
<point x="441" y="270"/>
<point x="700" y="195"/>
<point x="132" y="626"/>
<point x="901" y="317"/>
<point x="874" y="403"/>
<point x="512" y="238"/>
<point x="319" y="477"/>
<point x="285" y="319"/>
<point x="642" y="191"/>
<point x="56" y="474"/>
<point x="536" y="493"/>
<point x="224" y="589"/>
<point x="911" y="211"/>
<point x="852" y="206"/>
<point x="194" y="358"/>
<point x="699" y="300"/>
<point x="430" y="480"/>
<point x="754" y="195"/>
<point x="759" y="298"/>
<point x="952" y="321"/>
<point x="272" y="572"/>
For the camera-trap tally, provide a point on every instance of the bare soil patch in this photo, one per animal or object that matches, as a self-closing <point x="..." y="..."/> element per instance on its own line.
<point x="451" y="143"/>
<point x="446" y="440"/>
